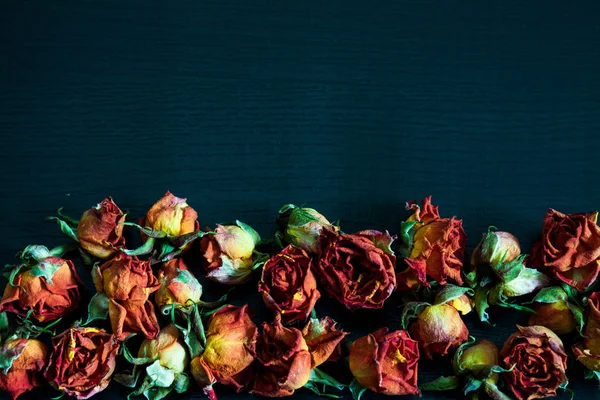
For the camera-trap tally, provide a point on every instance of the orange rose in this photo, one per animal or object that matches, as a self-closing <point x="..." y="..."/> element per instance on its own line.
<point x="100" y="229"/>
<point x="25" y="372"/>
<point x="177" y="285"/>
<point x="172" y="215"/>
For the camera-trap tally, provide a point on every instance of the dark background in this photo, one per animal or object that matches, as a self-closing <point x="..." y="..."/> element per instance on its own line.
<point x="349" y="107"/>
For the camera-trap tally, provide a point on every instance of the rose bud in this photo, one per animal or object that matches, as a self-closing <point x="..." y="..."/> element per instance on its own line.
<point x="475" y="358"/>
<point x="26" y="359"/>
<point x="302" y="226"/>
<point x="82" y="361"/>
<point x="168" y="348"/>
<point x="49" y="290"/>
<point x="538" y="361"/>
<point x="438" y="329"/>
<point x="386" y="362"/>
<point x="100" y="229"/>
<point x="496" y="247"/>
<point x="434" y="246"/>
<point x="555" y="316"/>
<point x="588" y="352"/>
<point x="285" y="360"/>
<point x="569" y="248"/>
<point x="230" y="349"/>
<point x="288" y="285"/>
<point x="357" y="269"/>
<point x="228" y="254"/>
<point x="172" y="215"/>
<point x="128" y="283"/>
<point x="323" y="339"/>
<point x="177" y="285"/>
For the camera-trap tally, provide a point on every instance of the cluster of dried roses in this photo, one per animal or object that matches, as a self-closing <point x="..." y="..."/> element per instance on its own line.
<point x="359" y="270"/>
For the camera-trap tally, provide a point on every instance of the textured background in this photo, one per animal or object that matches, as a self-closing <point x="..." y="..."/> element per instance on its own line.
<point x="351" y="107"/>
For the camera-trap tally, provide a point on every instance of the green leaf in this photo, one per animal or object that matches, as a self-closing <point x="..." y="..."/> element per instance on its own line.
<point x="65" y="228"/>
<point x="493" y="392"/>
<point x="190" y="338"/>
<point x="456" y="364"/>
<point x="198" y="326"/>
<point x="497" y="297"/>
<point x="87" y="258"/>
<point x="249" y="230"/>
<point x="450" y="292"/>
<point x="97" y="308"/>
<point x="150" y="232"/>
<point x="145" y="248"/>
<point x="34" y="252"/>
<point x="441" y="383"/>
<point x="356" y="389"/>
<point x="471" y="278"/>
<point x="144" y="386"/>
<point x="507" y="271"/>
<point x="318" y="376"/>
<point x="9" y="354"/>
<point x="129" y="380"/>
<point x="411" y="310"/>
<point x="481" y="303"/>
<point x="550" y="295"/>
<point x="407" y="234"/>
<point x="4" y="327"/>
<point x="471" y="384"/>
<point x="591" y="374"/>
<point x="259" y="259"/>
<point x="66" y="218"/>
<point x="135" y="360"/>
<point x="156" y="393"/>
<point x="63" y="249"/>
<point x="578" y="315"/>
<point x="46" y="269"/>
<point x="182" y="383"/>
<point x="160" y="376"/>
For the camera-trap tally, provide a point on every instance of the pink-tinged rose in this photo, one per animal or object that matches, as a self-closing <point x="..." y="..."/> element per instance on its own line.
<point x="288" y="285"/>
<point x="555" y="316"/>
<point x="228" y="254"/>
<point x="168" y="348"/>
<point x="588" y="351"/>
<point x="25" y="371"/>
<point x="386" y="362"/>
<point x="569" y="248"/>
<point x="172" y="215"/>
<point x="438" y="329"/>
<point x="49" y="290"/>
<point x="284" y="359"/>
<point x="539" y="361"/>
<point x="230" y="349"/>
<point x="437" y="247"/>
<point x="302" y="226"/>
<point x="357" y="269"/>
<point x="177" y="285"/>
<point x="82" y="361"/>
<point x="322" y="338"/>
<point x="100" y="229"/>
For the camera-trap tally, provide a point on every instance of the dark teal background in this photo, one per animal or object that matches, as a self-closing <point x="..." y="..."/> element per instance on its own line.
<point x="351" y="107"/>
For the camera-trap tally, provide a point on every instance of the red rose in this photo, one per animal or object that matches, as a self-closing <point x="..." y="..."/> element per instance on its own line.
<point x="285" y="360"/>
<point x="569" y="248"/>
<point x="323" y="339"/>
<point x="82" y="361"/>
<point x="539" y="361"/>
<point x="386" y="362"/>
<point x="437" y="247"/>
<point x="100" y="229"/>
<point x="50" y="290"/>
<point x="29" y="358"/>
<point x="357" y="269"/>
<point x="128" y="283"/>
<point x="288" y="285"/>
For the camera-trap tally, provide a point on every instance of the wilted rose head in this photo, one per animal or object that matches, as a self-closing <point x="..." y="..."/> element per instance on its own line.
<point x="555" y="316"/>
<point x="228" y="253"/>
<point x="49" y="290"/>
<point x="323" y="339"/>
<point x="357" y="269"/>
<point x="129" y="317"/>
<point x="288" y="285"/>
<point x="100" y="229"/>
<point x="28" y="358"/>
<point x="230" y="349"/>
<point x="437" y="246"/>
<point x="177" y="285"/>
<point x="475" y="358"/>
<point x="386" y="362"/>
<point x="172" y="215"/>
<point x="82" y="361"/>
<point x="438" y="329"/>
<point x="588" y="351"/>
<point x="539" y="361"/>
<point x="284" y="359"/>
<point x="302" y="226"/>
<point x="569" y="248"/>
<point x="496" y="247"/>
<point x="125" y="278"/>
<point x="168" y="348"/>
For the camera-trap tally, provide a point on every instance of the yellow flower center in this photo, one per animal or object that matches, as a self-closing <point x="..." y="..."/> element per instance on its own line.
<point x="298" y="296"/>
<point x="398" y="358"/>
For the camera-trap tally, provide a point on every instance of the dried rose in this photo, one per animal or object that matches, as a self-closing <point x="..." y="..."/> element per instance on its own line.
<point x="288" y="285"/>
<point x="302" y="226"/>
<point x="386" y="362"/>
<point x="168" y="348"/>
<point x="462" y="304"/>
<point x="228" y="254"/>
<point x="588" y="351"/>
<point x="178" y="285"/>
<point x="323" y="339"/>
<point x="284" y="358"/>
<point x="100" y="229"/>
<point x="569" y="248"/>
<point x="357" y="269"/>
<point x="172" y="215"/>
<point x="476" y="358"/>
<point x="555" y="316"/>
<point x="539" y="361"/>
<point x="21" y="361"/>
<point x="230" y="349"/>
<point x="50" y="289"/>
<point x="82" y="361"/>
<point x="496" y="247"/>
<point x="128" y="283"/>
<point x="434" y="246"/>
